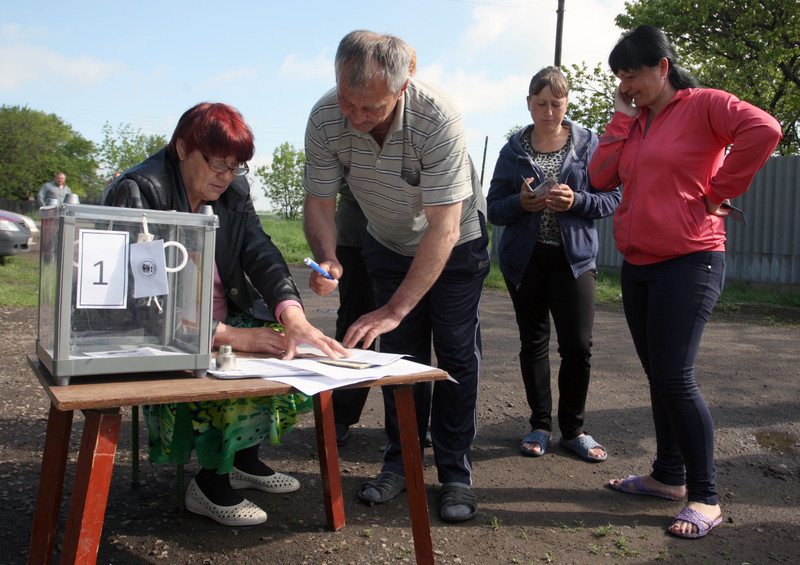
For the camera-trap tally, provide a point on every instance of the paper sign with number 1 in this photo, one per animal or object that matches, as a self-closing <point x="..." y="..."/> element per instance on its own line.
<point x="103" y="270"/>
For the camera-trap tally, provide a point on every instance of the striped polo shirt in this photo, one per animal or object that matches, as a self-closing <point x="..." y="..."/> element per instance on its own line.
<point x="423" y="162"/>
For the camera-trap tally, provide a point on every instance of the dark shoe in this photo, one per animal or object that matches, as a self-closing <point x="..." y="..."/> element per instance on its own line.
<point x="342" y="434"/>
<point x="428" y="440"/>
<point x="457" y="503"/>
<point x="382" y="488"/>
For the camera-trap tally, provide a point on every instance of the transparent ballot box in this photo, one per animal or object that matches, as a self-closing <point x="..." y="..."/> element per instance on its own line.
<point x="124" y="290"/>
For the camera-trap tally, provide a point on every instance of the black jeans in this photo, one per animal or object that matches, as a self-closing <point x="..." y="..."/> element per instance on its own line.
<point x="355" y="300"/>
<point x="447" y="314"/>
<point x="549" y="287"/>
<point x="667" y="305"/>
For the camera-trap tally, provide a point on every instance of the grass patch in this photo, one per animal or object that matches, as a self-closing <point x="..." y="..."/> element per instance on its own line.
<point x="288" y="237"/>
<point x="757" y="303"/>
<point x="738" y="294"/>
<point x="19" y="280"/>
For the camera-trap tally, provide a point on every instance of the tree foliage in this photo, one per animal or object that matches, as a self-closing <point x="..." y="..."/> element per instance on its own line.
<point x="591" y="95"/>
<point x="34" y="146"/>
<point x="748" y="48"/>
<point x="283" y="180"/>
<point x="126" y="148"/>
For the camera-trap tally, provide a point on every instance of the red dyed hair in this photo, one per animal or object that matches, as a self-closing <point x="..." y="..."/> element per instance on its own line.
<point x="214" y="129"/>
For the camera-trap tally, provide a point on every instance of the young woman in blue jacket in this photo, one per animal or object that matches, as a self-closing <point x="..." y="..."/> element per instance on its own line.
<point x="548" y="254"/>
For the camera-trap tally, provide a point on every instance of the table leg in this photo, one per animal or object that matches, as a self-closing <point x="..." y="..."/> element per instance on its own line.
<point x="329" y="460"/>
<point x="51" y="486"/>
<point x="415" y="482"/>
<point x="87" y="505"/>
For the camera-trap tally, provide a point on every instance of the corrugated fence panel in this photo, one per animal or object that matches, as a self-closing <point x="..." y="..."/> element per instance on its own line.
<point x="766" y="250"/>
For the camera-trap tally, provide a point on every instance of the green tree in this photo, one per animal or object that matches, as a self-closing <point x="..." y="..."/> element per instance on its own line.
<point x="283" y="180"/>
<point x="34" y="146"/>
<point x="125" y="148"/>
<point x="591" y="95"/>
<point x="513" y="130"/>
<point x="748" y="48"/>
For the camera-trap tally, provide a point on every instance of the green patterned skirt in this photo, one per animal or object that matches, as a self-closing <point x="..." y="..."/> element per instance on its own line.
<point x="217" y="429"/>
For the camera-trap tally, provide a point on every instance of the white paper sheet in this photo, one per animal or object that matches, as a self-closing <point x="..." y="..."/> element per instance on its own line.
<point x="311" y="377"/>
<point x="136" y="352"/>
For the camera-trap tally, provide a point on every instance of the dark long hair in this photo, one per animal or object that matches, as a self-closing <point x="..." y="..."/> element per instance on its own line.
<point x="645" y="46"/>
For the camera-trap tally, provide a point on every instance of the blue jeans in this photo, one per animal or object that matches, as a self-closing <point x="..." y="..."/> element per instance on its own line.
<point x="448" y="314"/>
<point x="667" y="305"/>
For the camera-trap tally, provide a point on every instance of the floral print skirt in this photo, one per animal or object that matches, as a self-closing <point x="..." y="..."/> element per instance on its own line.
<point x="217" y="429"/>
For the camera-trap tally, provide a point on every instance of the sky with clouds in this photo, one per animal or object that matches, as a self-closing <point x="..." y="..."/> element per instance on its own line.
<point x="144" y="63"/>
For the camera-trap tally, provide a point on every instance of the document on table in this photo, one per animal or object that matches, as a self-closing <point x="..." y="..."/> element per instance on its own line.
<point x="310" y="376"/>
<point x="319" y="382"/>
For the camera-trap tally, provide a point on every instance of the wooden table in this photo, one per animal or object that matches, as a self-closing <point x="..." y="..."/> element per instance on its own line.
<point x="101" y="397"/>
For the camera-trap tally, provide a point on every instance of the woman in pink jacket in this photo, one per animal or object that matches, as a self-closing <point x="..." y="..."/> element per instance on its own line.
<point x="666" y="146"/>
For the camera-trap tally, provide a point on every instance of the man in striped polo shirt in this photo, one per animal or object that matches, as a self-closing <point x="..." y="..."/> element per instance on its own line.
<point x="399" y="144"/>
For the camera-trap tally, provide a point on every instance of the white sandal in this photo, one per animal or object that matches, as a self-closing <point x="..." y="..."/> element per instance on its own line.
<point x="276" y="483"/>
<point x="243" y="514"/>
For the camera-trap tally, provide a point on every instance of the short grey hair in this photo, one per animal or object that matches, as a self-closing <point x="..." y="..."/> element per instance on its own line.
<point x="364" y="55"/>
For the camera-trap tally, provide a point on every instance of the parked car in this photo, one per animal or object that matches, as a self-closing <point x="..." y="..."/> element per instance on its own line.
<point x="15" y="235"/>
<point x="31" y="226"/>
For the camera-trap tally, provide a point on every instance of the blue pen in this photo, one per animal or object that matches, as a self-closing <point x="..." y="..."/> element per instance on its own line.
<point x="311" y="263"/>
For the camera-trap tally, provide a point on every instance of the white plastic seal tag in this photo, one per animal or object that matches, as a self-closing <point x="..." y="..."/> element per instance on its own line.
<point x="149" y="269"/>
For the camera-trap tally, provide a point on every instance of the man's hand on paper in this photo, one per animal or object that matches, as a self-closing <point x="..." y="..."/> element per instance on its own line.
<point x="369" y="326"/>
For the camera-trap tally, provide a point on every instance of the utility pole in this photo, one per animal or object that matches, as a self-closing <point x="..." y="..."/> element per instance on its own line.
<point x="559" y="32"/>
<point x="483" y="165"/>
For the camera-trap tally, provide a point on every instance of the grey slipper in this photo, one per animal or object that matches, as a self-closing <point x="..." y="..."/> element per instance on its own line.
<point x="537" y="437"/>
<point x="382" y="488"/>
<point x="581" y="446"/>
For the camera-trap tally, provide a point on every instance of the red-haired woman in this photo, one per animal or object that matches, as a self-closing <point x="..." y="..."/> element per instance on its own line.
<point x="205" y="163"/>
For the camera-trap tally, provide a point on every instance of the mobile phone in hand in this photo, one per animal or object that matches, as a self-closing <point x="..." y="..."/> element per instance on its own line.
<point x="735" y="213"/>
<point x="543" y="188"/>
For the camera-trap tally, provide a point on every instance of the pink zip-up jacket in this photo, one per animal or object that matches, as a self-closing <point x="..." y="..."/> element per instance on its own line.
<point x="667" y="173"/>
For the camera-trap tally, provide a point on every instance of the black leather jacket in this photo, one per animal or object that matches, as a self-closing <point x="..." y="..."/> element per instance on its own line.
<point x="252" y="269"/>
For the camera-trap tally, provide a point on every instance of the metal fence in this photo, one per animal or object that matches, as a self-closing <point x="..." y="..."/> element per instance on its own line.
<point x="766" y="250"/>
<point x="26" y="207"/>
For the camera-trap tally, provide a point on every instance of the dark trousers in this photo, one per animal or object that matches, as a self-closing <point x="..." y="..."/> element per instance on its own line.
<point x="448" y="314"/>
<point x="667" y="305"/>
<point x="355" y="300"/>
<point x="549" y="287"/>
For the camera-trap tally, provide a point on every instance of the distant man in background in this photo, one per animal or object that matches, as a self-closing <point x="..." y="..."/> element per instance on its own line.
<point x="57" y="188"/>
<point x="399" y="145"/>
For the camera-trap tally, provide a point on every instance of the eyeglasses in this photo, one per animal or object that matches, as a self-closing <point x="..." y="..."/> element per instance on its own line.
<point x="222" y="167"/>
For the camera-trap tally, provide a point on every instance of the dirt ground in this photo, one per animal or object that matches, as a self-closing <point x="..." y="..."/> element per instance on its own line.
<point x="552" y="509"/>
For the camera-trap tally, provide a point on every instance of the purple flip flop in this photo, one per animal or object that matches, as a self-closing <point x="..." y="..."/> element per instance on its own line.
<point x="638" y="488"/>
<point x="694" y="517"/>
